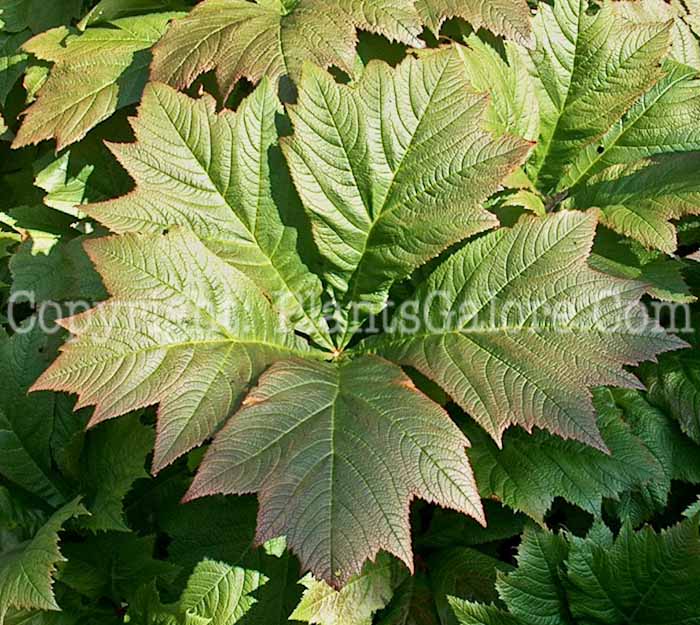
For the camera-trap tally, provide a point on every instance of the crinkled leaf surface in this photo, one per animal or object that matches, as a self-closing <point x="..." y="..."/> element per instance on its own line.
<point x="514" y="106"/>
<point x="222" y="176"/>
<point x="521" y="327"/>
<point x="220" y="593"/>
<point x="273" y="38"/>
<point x="641" y="577"/>
<point x="183" y="329"/>
<point x="94" y="74"/>
<point x="640" y="199"/>
<point x="534" y="592"/>
<point x="674" y="383"/>
<point x="509" y="18"/>
<point x="394" y="169"/>
<point x="591" y="68"/>
<point x="336" y="451"/>
<point x="357" y="601"/>
<point x="26" y="572"/>
<point x="531" y="470"/>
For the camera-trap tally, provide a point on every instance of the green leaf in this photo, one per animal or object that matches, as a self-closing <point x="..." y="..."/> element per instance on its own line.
<point x="674" y="383"/>
<point x="357" y="601"/>
<point x="514" y="107"/>
<point x="393" y="169"/>
<point x="94" y="74"/>
<point x="224" y="529"/>
<point x="114" y="565"/>
<point x="129" y="353"/>
<point x="510" y="18"/>
<point x="521" y="327"/>
<point x="639" y="200"/>
<point x="625" y="258"/>
<point x="531" y="470"/>
<point x="319" y="442"/>
<point x="37" y="15"/>
<point x="223" y="177"/>
<point x="220" y="593"/>
<point x="63" y="273"/>
<point x="591" y="68"/>
<point x="108" y="10"/>
<point x="240" y="39"/>
<point x="469" y="613"/>
<point x="412" y="604"/>
<point x="88" y="172"/>
<point x="641" y="577"/>
<point x="534" y="592"/>
<point x="26" y="572"/>
<point x="466" y="573"/>
<point x="662" y="121"/>
<point x="675" y="455"/>
<point x="12" y="61"/>
<point x="26" y="422"/>
<point x="113" y="459"/>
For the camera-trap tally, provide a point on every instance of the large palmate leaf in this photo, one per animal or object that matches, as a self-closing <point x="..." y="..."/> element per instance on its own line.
<point x="241" y="39"/>
<point x="591" y="68"/>
<point x="183" y="329"/>
<point x="510" y="18"/>
<point x="516" y="327"/>
<point x="531" y="470"/>
<point x="26" y="571"/>
<point x="394" y="169"/>
<point x="223" y="177"/>
<point x="94" y="74"/>
<point x="336" y="451"/>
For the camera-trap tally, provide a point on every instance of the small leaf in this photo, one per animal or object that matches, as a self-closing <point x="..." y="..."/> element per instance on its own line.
<point x="26" y="572"/>
<point x="357" y="601"/>
<point x="94" y="74"/>
<point x="220" y="593"/>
